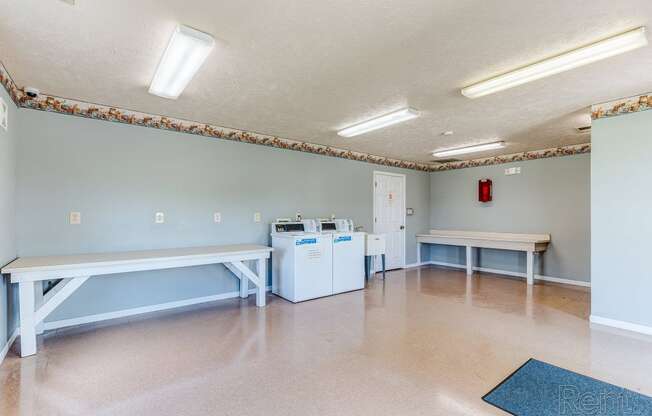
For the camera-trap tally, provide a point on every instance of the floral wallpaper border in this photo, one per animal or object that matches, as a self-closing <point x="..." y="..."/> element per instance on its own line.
<point x="9" y="84"/>
<point x="571" y="150"/>
<point x="622" y="106"/>
<point x="101" y="112"/>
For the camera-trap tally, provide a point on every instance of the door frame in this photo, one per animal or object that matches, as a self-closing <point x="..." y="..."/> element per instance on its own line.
<point x="373" y="214"/>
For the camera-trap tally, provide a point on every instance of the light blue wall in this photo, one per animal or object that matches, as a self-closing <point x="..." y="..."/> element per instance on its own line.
<point x="118" y="176"/>
<point x="549" y="196"/>
<point x="621" y="220"/>
<point x="8" y="299"/>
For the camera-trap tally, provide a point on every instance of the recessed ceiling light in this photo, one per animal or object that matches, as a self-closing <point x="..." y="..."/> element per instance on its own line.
<point x="585" y="55"/>
<point x="379" y="122"/>
<point x="184" y="55"/>
<point x="469" y="149"/>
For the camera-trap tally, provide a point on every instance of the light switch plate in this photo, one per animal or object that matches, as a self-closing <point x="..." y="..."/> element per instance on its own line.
<point x="217" y="217"/>
<point x="257" y="217"/>
<point x="75" y="218"/>
<point x="159" y="218"/>
<point x="513" y="171"/>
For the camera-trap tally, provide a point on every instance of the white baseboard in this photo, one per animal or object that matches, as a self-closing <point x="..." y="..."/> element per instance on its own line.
<point x="513" y="274"/>
<point x="8" y="345"/>
<point x="628" y="326"/>
<point x="413" y="265"/>
<point x="441" y="263"/>
<point x="563" y="281"/>
<point x="141" y="310"/>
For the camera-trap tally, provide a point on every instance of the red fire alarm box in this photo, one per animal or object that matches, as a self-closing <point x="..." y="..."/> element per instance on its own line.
<point x="484" y="190"/>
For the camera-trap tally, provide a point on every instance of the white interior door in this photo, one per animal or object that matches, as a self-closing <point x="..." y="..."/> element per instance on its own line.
<point x="389" y="215"/>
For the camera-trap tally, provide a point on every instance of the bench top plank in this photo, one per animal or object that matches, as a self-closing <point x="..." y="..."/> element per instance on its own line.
<point x="488" y="236"/>
<point x="52" y="263"/>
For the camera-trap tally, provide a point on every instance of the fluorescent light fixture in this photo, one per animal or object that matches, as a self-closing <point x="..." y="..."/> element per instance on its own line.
<point x="588" y="54"/>
<point x="380" y="122"/>
<point x="185" y="54"/>
<point x="469" y="149"/>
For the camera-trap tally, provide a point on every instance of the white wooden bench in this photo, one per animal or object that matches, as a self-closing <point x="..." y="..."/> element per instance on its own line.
<point x="76" y="269"/>
<point x="530" y="243"/>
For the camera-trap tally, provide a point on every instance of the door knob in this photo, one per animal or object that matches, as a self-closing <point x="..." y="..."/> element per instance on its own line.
<point x="402" y="227"/>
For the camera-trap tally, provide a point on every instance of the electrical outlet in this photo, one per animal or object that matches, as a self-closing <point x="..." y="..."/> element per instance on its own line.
<point x="75" y="218"/>
<point x="159" y="218"/>
<point x="257" y="217"/>
<point x="217" y="217"/>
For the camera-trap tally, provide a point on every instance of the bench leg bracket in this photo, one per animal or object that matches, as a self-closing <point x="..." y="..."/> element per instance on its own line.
<point x="31" y="318"/>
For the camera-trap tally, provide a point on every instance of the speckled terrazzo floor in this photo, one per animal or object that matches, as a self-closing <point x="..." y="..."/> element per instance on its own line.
<point x="426" y="341"/>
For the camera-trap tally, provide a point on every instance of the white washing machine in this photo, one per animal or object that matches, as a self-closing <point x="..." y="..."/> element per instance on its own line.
<point x="348" y="254"/>
<point x="302" y="261"/>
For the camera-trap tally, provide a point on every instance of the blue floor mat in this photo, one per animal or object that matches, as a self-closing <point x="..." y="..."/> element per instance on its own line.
<point x="540" y="389"/>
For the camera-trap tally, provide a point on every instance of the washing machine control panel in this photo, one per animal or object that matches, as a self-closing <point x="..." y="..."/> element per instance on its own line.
<point x="338" y="225"/>
<point x="294" y="227"/>
<point x="328" y="226"/>
<point x="289" y="227"/>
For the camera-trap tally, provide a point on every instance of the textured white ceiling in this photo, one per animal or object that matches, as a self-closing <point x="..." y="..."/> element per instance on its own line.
<point x="304" y="69"/>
